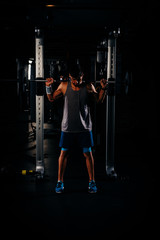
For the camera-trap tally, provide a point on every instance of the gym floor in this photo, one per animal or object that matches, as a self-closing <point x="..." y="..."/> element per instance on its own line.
<point x="125" y="207"/>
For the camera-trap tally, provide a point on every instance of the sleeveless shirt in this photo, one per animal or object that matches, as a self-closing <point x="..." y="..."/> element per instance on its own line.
<point x="76" y="111"/>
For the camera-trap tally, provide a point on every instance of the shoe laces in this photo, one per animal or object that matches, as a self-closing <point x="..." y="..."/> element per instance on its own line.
<point x="59" y="184"/>
<point x="92" y="183"/>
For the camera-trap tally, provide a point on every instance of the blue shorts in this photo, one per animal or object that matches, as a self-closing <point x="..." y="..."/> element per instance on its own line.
<point x="82" y="140"/>
<point x="85" y="150"/>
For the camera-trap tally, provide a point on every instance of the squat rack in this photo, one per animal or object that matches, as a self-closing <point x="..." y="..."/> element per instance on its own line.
<point x="110" y="103"/>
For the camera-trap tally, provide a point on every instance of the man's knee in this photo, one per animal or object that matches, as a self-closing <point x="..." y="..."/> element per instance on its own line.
<point x="64" y="153"/>
<point x="87" y="154"/>
<point x="87" y="150"/>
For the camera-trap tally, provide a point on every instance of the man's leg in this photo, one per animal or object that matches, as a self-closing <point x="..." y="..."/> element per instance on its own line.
<point x="90" y="167"/>
<point x="62" y="162"/>
<point x="89" y="163"/>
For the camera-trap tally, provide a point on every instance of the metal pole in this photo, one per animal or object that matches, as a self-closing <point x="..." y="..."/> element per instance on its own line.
<point x="110" y="108"/>
<point x="39" y="102"/>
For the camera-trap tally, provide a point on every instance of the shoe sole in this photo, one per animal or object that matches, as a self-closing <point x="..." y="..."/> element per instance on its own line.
<point x="60" y="191"/>
<point x="90" y="191"/>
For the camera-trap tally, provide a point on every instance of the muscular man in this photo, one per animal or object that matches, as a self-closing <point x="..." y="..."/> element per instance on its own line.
<point x="76" y="126"/>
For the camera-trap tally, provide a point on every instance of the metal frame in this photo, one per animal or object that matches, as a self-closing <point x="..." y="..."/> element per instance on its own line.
<point x="110" y="104"/>
<point x="110" y="107"/>
<point x="39" y="65"/>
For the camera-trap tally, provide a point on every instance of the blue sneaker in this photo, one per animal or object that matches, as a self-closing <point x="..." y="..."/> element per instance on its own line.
<point x="92" y="187"/>
<point x="59" y="187"/>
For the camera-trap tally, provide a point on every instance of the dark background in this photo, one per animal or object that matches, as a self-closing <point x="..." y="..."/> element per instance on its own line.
<point x="74" y="28"/>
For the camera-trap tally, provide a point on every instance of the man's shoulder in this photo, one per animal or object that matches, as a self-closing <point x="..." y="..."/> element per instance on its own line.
<point x="63" y="84"/>
<point x="63" y="87"/>
<point x="90" y="87"/>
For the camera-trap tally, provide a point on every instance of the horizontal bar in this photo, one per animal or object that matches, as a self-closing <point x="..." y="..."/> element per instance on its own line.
<point x="44" y="80"/>
<point x="106" y="81"/>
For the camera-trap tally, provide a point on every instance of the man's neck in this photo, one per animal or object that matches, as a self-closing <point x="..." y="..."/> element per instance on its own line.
<point x="76" y="87"/>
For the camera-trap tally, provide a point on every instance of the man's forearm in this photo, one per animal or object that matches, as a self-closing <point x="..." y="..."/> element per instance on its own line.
<point x="101" y="95"/>
<point x="50" y="97"/>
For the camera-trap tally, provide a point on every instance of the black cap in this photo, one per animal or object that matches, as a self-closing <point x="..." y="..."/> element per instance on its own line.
<point x="75" y="70"/>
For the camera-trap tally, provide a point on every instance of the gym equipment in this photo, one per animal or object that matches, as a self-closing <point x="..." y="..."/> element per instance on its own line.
<point x="109" y="67"/>
<point x="39" y="66"/>
<point x="39" y="80"/>
<point x="106" y="68"/>
<point x="110" y="105"/>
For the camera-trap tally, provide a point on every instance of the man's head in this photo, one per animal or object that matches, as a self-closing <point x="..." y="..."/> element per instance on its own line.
<point x="76" y="74"/>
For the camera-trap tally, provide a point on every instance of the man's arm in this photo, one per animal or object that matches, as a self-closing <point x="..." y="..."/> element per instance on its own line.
<point x="56" y="94"/>
<point x="100" y="95"/>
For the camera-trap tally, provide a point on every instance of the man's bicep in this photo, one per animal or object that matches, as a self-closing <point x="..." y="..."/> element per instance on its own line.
<point x="58" y="92"/>
<point x="94" y="96"/>
<point x="92" y="92"/>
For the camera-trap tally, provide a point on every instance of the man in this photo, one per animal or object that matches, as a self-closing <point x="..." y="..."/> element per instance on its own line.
<point x="76" y="126"/>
